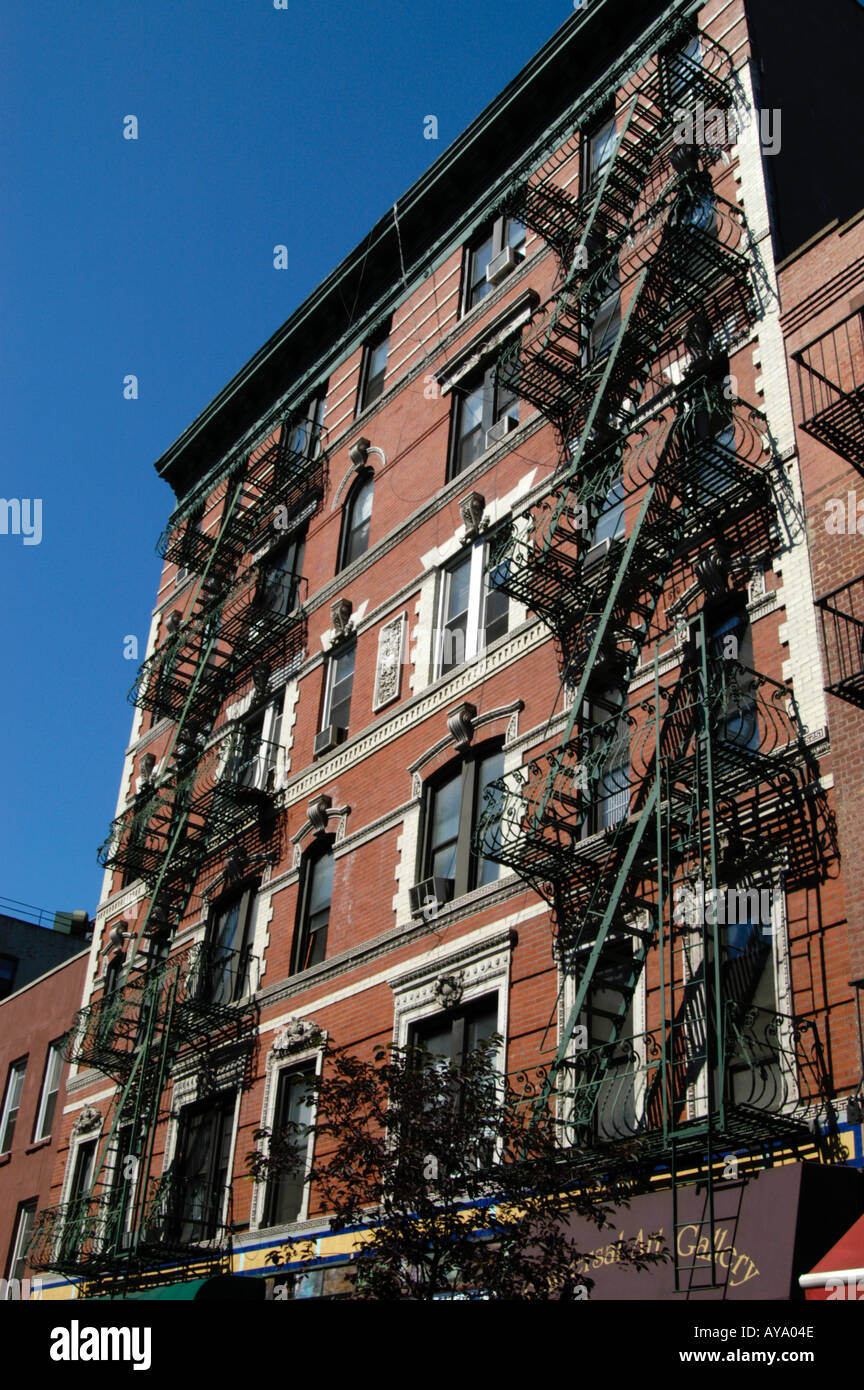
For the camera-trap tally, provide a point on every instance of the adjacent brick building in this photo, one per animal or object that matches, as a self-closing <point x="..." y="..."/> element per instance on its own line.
<point x="501" y="542"/>
<point x="34" y="1019"/>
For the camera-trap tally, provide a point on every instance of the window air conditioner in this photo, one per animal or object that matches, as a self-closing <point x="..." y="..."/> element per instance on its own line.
<point x="501" y="265"/>
<point x="597" y="554"/>
<point x="328" y="738"/>
<point x="430" y="895"/>
<point x="498" y="430"/>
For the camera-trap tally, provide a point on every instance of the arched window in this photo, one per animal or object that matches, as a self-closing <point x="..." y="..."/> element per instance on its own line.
<point x="356" y="517"/>
<point x="313" y="918"/>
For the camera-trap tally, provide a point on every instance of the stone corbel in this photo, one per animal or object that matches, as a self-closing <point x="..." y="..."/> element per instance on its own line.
<point x="460" y="722"/>
<point x="343" y="625"/>
<point x="296" y="1034"/>
<point x="473" y="509"/>
<point x="320" y="811"/>
<point x="89" y="1119"/>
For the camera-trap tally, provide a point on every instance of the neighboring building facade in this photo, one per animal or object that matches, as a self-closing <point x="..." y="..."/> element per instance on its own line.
<point x="30" y="948"/>
<point x="485" y="666"/>
<point x="33" y="1022"/>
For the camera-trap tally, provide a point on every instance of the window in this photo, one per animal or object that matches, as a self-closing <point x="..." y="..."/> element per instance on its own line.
<point x="453" y="1034"/>
<point x="280" y="578"/>
<point x="608" y="750"/>
<point x="682" y="68"/>
<point x="50" y="1088"/>
<point x="196" y="1206"/>
<point x="610" y="519"/>
<point x="454" y="804"/>
<point x="338" y="687"/>
<point x="730" y="645"/>
<point x="356" y="517"/>
<point x="284" y="1200"/>
<point x="124" y="1172"/>
<point x="608" y="1020"/>
<point x="254" y="757"/>
<point x="8" y="968"/>
<point x="473" y="608"/>
<point x="491" y="248"/>
<point x="314" y="915"/>
<point x="483" y="412"/>
<point x="373" y="370"/>
<point x="224" y="973"/>
<point x="599" y="147"/>
<point x="12" y="1103"/>
<point x="303" y="435"/>
<point x="17" y="1263"/>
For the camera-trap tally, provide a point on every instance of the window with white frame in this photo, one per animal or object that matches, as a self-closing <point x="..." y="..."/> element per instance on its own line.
<point x="289" y="1144"/>
<point x="339" y="684"/>
<point x="50" y="1089"/>
<point x="12" y="1103"/>
<point x="493" y="254"/>
<point x="254" y="757"/>
<point x="473" y="609"/>
<point x="17" y="1263"/>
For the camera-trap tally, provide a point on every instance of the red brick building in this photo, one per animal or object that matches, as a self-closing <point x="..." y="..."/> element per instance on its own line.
<point x="33" y="1021"/>
<point x="484" y="690"/>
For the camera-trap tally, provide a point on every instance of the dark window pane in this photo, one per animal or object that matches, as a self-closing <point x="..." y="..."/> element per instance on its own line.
<point x="478" y="285"/>
<point x="12" y="1103"/>
<point x="285" y="1190"/>
<point x="444" y="833"/>
<point x="8" y="966"/>
<point x="376" y="367"/>
<point x="23" y="1232"/>
<point x="471" y="440"/>
<point x="490" y="770"/>
<point x="454" y="629"/>
<point x="341" y="685"/>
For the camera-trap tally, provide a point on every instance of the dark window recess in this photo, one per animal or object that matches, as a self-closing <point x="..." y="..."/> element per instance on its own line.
<point x="79" y="1191"/>
<point x="373" y="370"/>
<point x="598" y="149"/>
<point x="16" y="1265"/>
<point x="8" y="968"/>
<point x="340" y="682"/>
<point x="492" y="255"/>
<point x="12" y="1103"/>
<point x="224" y="973"/>
<point x="356" y="519"/>
<point x="453" y="808"/>
<point x="452" y="1035"/>
<point x="314" y="917"/>
<point x="285" y="1189"/>
<point x="455" y="614"/>
<point x="304" y="434"/>
<point x="280" y="578"/>
<point x="609" y="794"/>
<point x="196" y="1207"/>
<point x="483" y="412"/>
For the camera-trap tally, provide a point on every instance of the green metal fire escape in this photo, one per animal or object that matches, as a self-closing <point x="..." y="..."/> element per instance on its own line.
<point x="688" y="782"/>
<point x="213" y="797"/>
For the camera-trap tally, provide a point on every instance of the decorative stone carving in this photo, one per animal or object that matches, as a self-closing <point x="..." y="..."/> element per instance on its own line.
<point x="388" y="669"/>
<point x="460" y="722"/>
<point x="359" y="452"/>
<point x="297" y="1033"/>
<point x="340" y="613"/>
<point x="89" y="1119"/>
<point x="172" y="621"/>
<point x="148" y="763"/>
<point x="316" y="812"/>
<point x="756" y="588"/>
<point x="448" y="990"/>
<point x="713" y="570"/>
<point x="472" y="508"/>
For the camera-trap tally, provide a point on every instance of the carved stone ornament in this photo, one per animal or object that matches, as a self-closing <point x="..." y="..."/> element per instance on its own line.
<point x="316" y="813"/>
<point x="359" y="452"/>
<point x="460" y="722"/>
<point x="297" y="1033"/>
<point x="448" y="990"/>
<point x="388" y="669"/>
<point x="472" y="508"/>
<point x="90" y="1118"/>
<point x="340" y="613"/>
<point x="757" y="588"/>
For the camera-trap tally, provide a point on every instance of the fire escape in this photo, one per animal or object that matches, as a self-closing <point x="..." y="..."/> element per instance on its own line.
<point x="214" y="805"/>
<point x="678" y="768"/>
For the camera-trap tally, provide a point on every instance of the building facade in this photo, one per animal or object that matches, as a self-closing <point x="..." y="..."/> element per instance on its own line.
<point x="34" y="1018"/>
<point x="485" y="687"/>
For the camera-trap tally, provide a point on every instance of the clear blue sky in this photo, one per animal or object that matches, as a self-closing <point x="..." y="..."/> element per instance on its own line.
<point x="257" y="126"/>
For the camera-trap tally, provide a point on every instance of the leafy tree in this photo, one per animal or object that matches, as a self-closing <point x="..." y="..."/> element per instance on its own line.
<point x="459" y="1181"/>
